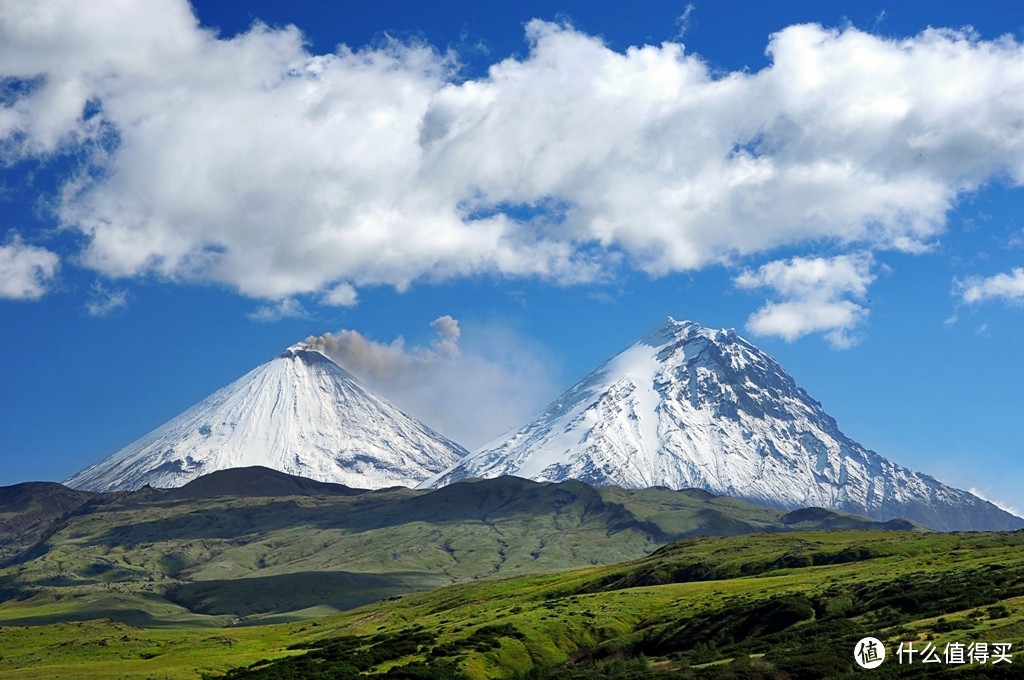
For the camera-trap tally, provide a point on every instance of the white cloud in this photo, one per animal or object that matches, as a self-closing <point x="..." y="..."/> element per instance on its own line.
<point x="986" y="496"/>
<point x="1006" y="287"/>
<point x="342" y="295"/>
<point x="252" y="162"/>
<point x="104" y="301"/>
<point x="286" y="308"/>
<point x="814" y="296"/>
<point x="471" y="394"/>
<point x="683" y="20"/>
<point x="25" y="271"/>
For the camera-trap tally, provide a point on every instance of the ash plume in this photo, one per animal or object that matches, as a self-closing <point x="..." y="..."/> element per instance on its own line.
<point x="470" y="393"/>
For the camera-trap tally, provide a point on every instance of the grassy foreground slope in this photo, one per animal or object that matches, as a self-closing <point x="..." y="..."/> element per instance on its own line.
<point x="754" y="606"/>
<point x="257" y="546"/>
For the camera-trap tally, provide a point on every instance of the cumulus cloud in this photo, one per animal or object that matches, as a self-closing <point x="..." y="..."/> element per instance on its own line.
<point x="252" y="162"/>
<point x="25" y="270"/>
<point x="470" y="394"/>
<point x="342" y="295"/>
<point x="1002" y="286"/>
<point x="813" y="297"/>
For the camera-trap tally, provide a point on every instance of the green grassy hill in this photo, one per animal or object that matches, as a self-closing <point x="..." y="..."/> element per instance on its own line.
<point x="753" y="606"/>
<point x="256" y="546"/>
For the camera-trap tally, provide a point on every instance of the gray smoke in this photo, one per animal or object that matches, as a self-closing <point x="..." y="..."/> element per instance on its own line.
<point x="469" y="394"/>
<point x="377" y="361"/>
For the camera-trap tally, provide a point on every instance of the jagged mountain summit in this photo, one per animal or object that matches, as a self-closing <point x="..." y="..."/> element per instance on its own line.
<point x="688" y="406"/>
<point x="299" y="413"/>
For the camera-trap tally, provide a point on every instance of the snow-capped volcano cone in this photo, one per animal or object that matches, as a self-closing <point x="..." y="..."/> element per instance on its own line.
<point x="299" y="413"/>
<point x="688" y="406"/>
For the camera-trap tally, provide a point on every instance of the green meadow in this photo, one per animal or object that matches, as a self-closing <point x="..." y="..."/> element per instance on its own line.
<point x="169" y="559"/>
<point x="768" y="605"/>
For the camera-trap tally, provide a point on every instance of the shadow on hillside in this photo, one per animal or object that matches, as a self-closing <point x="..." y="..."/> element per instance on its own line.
<point x="132" y="617"/>
<point x="484" y="501"/>
<point x="663" y="515"/>
<point x="291" y="592"/>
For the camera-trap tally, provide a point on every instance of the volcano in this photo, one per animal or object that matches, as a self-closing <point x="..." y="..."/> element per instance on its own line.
<point x="299" y="413"/>
<point x="691" y="407"/>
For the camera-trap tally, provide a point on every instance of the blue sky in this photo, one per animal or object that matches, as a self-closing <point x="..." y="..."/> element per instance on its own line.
<point x="481" y="202"/>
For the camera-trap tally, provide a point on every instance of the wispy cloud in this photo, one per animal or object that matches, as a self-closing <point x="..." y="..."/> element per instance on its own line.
<point x="984" y="495"/>
<point x="683" y="21"/>
<point x="105" y="301"/>
<point x="287" y="308"/>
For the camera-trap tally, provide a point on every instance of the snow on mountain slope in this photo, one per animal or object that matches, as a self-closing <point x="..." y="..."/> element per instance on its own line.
<point x="299" y="413"/>
<point x="688" y="406"/>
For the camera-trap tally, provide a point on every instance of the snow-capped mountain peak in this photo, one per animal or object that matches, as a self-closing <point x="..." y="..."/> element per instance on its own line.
<point x="687" y="406"/>
<point x="299" y="413"/>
